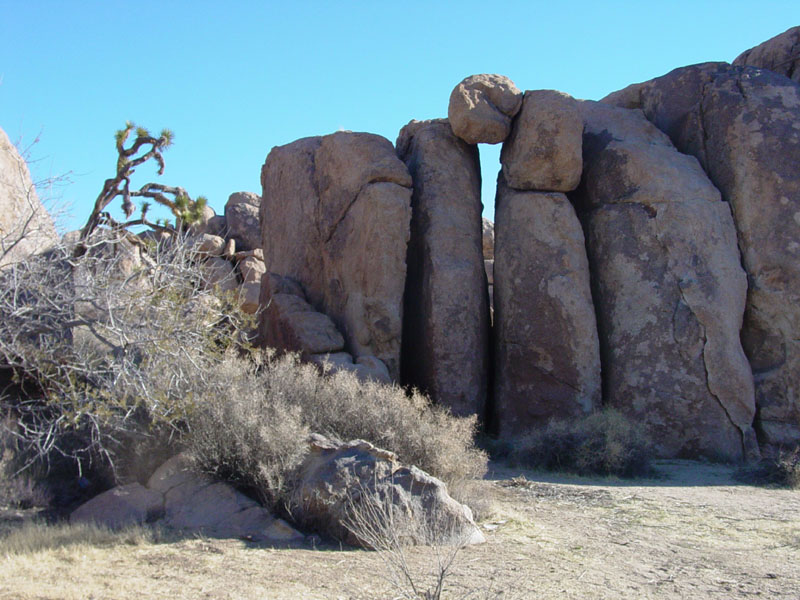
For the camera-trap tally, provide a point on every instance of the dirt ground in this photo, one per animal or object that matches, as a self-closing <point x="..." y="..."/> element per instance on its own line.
<point x="696" y="533"/>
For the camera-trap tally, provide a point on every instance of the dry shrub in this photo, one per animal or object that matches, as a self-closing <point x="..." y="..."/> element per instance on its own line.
<point x="782" y="470"/>
<point x="253" y="424"/>
<point x="603" y="443"/>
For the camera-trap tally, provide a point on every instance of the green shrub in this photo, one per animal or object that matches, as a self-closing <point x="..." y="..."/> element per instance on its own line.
<point x="603" y="443"/>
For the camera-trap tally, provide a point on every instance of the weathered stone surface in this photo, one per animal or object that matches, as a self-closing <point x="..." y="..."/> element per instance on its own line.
<point x="336" y="213"/>
<point x="242" y="219"/>
<point x="336" y="478"/>
<point x="446" y="325"/>
<point x="743" y="125"/>
<point x="488" y="266"/>
<point x="488" y="239"/>
<point x="218" y="272"/>
<point x="780" y="54"/>
<point x="293" y="325"/>
<point x="249" y="295"/>
<point x="252" y="269"/>
<point x="217" y="225"/>
<point x="547" y="358"/>
<point x="209" y="245"/>
<point x="543" y="152"/>
<point x="481" y="108"/>
<point x="257" y="253"/>
<point x="669" y="289"/>
<point x="25" y="225"/>
<point x="122" y="506"/>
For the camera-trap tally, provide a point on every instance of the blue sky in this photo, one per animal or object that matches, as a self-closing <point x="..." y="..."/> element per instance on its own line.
<point x="234" y="80"/>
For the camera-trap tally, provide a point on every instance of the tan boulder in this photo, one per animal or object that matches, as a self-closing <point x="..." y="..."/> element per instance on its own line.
<point x="743" y="125"/>
<point x="252" y="269"/>
<point x="543" y="152"/>
<point x="249" y="297"/>
<point x="218" y="272"/>
<point x="122" y="506"/>
<point x="780" y="54"/>
<point x="25" y="225"/>
<point x="481" y="108"/>
<point x="336" y="213"/>
<point x="242" y="220"/>
<point x="669" y="289"/>
<point x="547" y="358"/>
<point x="293" y="325"/>
<point x="446" y="325"/>
<point x="207" y="244"/>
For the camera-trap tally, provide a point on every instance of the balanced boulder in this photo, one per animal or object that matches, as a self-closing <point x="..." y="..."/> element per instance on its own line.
<point x="481" y="108"/>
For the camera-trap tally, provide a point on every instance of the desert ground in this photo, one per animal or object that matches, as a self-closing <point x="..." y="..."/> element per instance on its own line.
<point x="696" y="532"/>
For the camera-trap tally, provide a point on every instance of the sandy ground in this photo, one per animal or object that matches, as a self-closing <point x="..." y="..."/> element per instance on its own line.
<point x="695" y="534"/>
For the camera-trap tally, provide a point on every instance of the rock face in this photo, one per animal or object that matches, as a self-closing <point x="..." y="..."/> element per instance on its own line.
<point x="180" y="498"/>
<point x="481" y="108"/>
<point x="446" y="326"/>
<point x="337" y="479"/>
<point x="547" y="361"/>
<point x="488" y="239"/>
<point x="743" y="125"/>
<point x="25" y="225"/>
<point x="669" y="289"/>
<point x="780" y="54"/>
<point x="242" y="220"/>
<point x="543" y="152"/>
<point x="335" y="217"/>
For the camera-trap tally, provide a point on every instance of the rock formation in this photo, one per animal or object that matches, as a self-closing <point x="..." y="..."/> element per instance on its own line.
<point x="446" y="325"/>
<point x="743" y="125"/>
<point x="481" y="108"/>
<point x="242" y="220"/>
<point x="669" y="289"/>
<point x="780" y="54"/>
<point x="25" y="225"/>
<point x="335" y="217"/>
<point x="545" y="340"/>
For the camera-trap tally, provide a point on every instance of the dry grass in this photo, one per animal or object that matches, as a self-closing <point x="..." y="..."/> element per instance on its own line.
<point x="36" y="536"/>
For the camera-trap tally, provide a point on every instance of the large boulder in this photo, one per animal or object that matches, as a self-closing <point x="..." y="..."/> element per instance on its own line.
<point x="344" y="489"/>
<point x="291" y="324"/>
<point x="743" y="125"/>
<point x="335" y="217"/>
<point x="481" y="108"/>
<point x="242" y="220"/>
<point x="25" y="225"/>
<point x="780" y="54"/>
<point x="120" y="507"/>
<point x="669" y="289"/>
<point x="547" y="358"/>
<point x="446" y="326"/>
<point x="543" y="152"/>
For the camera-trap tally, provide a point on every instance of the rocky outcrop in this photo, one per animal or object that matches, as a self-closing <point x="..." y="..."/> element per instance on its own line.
<point x="543" y="152"/>
<point x="341" y="485"/>
<point x="488" y="239"/>
<point x="335" y="217"/>
<point x="669" y="289"/>
<point x="547" y="361"/>
<point x="446" y="325"/>
<point x="780" y="54"/>
<point x="242" y="220"/>
<point x="743" y="125"/>
<point x="25" y="225"/>
<point x="481" y="108"/>
<point x="178" y="497"/>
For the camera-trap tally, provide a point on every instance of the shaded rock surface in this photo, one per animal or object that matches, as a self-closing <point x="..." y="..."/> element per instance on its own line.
<point x="743" y="125"/>
<point x="242" y="220"/>
<point x="446" y="325"/>
<point x="547" y="361"/>
<point x="335" y="217"/>
<point x="291" y="324"/>
<point x="543" y="152"/>
<point x="669" y="289"/>
<point x="488" y="238"/>
<point x="481" y="108"/>
<point x="25" y="225"/>
<point x="337" y="478"/>
<point x="780" y="54"/>
<point x="180" y="498"/>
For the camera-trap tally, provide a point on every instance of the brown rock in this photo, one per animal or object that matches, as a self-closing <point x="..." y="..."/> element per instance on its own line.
<point x="122" y="506"/>
<point x="209" y="245"/>
<point x="446" y="326"/>
<point x="547" y="359"/>
<point x="252" y="269"/>
<point x="780" y="54"/>
<point x="336" y="211"/>
<point x="249" y="295"/>
<point x="743" y="125"/>
<point x="242" y="219"/>
<point x="481" y="108"/>
<point x="543" y="152"/>
<point x="669" y="289"/>
<point x="488" y="239"/>
<point x="293" y="325"/>
<point x="218" y="272"/>
<point x="25" y="225"/>
<point x="337" y="478"/>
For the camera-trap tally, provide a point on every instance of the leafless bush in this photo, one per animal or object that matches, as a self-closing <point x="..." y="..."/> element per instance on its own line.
<point x="603" y="443"/>
<point x="782" y="469"/>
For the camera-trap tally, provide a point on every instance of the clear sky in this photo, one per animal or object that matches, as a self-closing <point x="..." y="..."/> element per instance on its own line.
<point x="234" y="79"/>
